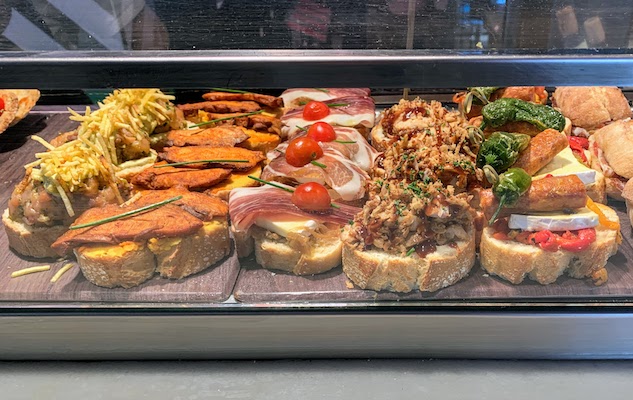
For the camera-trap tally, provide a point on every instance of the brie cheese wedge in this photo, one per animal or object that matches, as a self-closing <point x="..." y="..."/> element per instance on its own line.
<point x="565" y="164"/>
<point x="583" y="218"/>
<point x="283" y="228"/>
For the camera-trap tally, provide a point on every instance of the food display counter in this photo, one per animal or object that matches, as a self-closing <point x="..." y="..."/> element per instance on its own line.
<point x="234" y="308"/>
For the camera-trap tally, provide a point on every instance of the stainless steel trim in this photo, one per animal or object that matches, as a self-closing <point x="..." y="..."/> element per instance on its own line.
<point x="297" y="68"/>
<point x="314" y="335"/>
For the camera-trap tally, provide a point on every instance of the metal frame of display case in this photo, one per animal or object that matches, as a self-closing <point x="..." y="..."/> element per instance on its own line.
<point x="538" y="329"/>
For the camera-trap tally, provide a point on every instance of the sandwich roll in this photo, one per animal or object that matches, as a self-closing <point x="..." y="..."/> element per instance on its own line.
<point x="616" y="142"/>
<point x="591" y="107"/>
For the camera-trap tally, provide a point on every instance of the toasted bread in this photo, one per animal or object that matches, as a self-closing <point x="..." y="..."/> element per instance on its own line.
<point x="377" y="270"/>
<point x="11" y="106"/>
<point x="31" y="241"/>
<point x="514" y="261"/>
<point x="276" y="253"/>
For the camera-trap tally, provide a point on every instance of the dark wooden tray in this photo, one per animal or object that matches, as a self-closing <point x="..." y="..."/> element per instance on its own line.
<point x="212" y="285"/>
<point x="256" y="284"/>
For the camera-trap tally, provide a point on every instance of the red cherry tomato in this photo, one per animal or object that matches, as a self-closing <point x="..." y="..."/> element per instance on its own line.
<point x="322" y="132"/>
<point x="315" y="110"/>
<point x="311" y="196"/>
<point x="302" y="150"/>
<point x="1" y="104"/>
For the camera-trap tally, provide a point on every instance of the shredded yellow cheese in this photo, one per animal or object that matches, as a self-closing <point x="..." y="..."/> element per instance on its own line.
<point x="30" y="270"/>
<point x="61" y="272"/>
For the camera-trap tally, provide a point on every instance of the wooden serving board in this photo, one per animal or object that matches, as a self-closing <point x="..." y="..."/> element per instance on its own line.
<point x="212" y="285"/>
<point x="256" y="284"/>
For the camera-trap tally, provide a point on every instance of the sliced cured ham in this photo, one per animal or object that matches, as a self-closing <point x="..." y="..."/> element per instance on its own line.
<point x="294" y="98"/>
<point x="353" y="111"/>
<point x="246" y="205"/>
<point x="343" y="175"/>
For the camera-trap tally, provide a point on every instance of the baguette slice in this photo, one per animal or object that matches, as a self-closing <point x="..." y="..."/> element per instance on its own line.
<point x="377" y="270"/>
<point x="127" y="264"/>
<point x="177" y="258"/>
<point x="514" y="261"/>
<point x="31" y="241"/>
<point x="274" y="253"/>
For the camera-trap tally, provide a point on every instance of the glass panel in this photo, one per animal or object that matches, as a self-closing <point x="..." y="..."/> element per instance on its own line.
<point x="46" y="25"/>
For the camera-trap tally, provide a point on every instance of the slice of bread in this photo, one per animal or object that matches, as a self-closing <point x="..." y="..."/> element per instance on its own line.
<point x="514" y="261"/>
<point x="377" y="270"/>
<point x="29" y="240"/>
<point x="276" y="253"/>
<point x="177" y="258"/>
<point x="127" y="264"/>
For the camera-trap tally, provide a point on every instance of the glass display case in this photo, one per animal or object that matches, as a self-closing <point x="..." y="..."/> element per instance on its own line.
<point x="76" y="52"/>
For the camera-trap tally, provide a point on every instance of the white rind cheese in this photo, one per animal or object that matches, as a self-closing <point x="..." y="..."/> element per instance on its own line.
<point x="565" y="164"/>
<point x="283" y="228"/>
<point x="582" y="219"/>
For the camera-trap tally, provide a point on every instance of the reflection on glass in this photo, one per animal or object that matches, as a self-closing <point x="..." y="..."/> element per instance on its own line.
<point x="114" y="25"/>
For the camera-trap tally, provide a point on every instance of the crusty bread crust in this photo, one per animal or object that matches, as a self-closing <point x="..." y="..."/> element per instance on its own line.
<point x="627" y="195"/>
<point x="31" y="241"/>
<point x="130" y="264"/>
<point x="616" y="142"/>
<point x="278" y="255"/>
<point x="194" y="253"/>
<point x="126" y="265"/>
<point x="26" y="101"/>
<point x="377" y="270"/>
<point x="11" y="107"/>
<point x="589" y="107"/>
<point x="515" y="261"/>
<point x="597" y="191"/>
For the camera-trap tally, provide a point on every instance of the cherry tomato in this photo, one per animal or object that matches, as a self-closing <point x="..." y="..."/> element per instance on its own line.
<point x="311" y="196"/>
<point x="322" y="132"/>
<point x="302" y="150"/>
<point x="1" y="104"/>
<point x="315" y="110"/>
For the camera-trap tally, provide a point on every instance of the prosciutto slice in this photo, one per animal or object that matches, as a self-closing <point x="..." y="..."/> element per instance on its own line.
<point x="346" y="179"/>
<point x="246" y="205"/>
<point x="356" y="111"/>
<point x="293" y="98"/>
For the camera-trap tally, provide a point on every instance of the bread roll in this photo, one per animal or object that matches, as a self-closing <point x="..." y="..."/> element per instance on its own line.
<point x="616" y="142"/>
<point x="590" y="107"/>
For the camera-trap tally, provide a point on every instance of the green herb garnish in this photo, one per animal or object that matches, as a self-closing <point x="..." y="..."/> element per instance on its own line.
<point x="228" y="90"/>
<point x="345" y="141"/>
<point x="213" y="121"/>
<point x="318" y="164"/>
<point x="126" y="214"/>
<point x="322" y="90"/>
<point x="280" y="187"/>
<point x="200" y="162"/>
<point x="410" y="251"/>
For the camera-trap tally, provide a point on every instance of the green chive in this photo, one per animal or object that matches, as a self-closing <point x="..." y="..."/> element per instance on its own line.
<point x="411" y="250"/>
<point x="200" y="162"/>
<point x="302" y="128"/>
<point x="281" y="187"/>
<point x="271" y="184"/>
<point x="345" y="141"/>
<point x="227" y="118"/>
<point x="318" y="164"/>
<point x="228" y="90"/>
<point x="338" y="105"/>
<point x="322" y="90"/>
<point x="126" y="214"/>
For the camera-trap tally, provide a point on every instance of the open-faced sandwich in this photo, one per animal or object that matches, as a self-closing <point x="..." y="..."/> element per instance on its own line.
<point x="175" y="233"/>
<point x="80" y="170"/>
<point x="417" y="231"/>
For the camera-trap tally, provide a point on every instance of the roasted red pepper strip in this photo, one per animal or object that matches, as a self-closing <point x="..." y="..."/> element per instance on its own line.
<point x="578" y="145"/>
<point x="546" y="240"/>
<point x="577" y="242"/>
